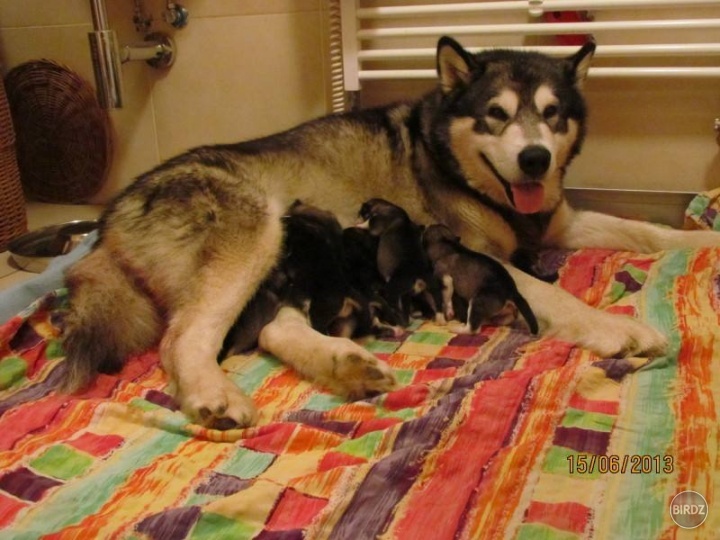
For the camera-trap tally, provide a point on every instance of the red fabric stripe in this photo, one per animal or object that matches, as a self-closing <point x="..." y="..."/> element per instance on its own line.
<point x="437" y="506"/>
<point x="376" y="424"/>
<point x="428" y="375"/>
<point x="410" y="396"/>
<point x="9" y="508"/>
<point x="592" y="405"/>
<point x="332" y="460"/>
<point x="569" y="516"/>
<point x="97" y="445"/>
<point x="294" y="511"/>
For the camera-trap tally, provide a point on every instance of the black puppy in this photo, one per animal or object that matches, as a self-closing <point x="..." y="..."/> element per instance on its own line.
<point x="401" y="259"/>
<point x="310" y="276"/>
<point x="479" y="280"/>
<point x="360" y="249"/>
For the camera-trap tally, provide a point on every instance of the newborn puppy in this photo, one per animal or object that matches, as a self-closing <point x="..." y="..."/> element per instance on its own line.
<point x="481" y="281"/>
<point x="313" y="262"/>
<point x="401" y="259"/>
<point x="360" y="250"/>
<point x="310" y="276"/>
<point x="262" y="308"/>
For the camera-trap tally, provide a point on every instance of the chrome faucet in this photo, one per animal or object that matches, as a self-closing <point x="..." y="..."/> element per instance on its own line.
<point x="158" y="50"/>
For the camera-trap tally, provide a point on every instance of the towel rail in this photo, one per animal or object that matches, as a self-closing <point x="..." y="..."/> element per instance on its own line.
<point x="539" y="29"/>
<point x="384" y="42"/>
<point x="386" y="12"/>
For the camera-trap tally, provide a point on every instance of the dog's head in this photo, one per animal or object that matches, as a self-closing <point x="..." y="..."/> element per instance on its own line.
<point x="511" y="120"/>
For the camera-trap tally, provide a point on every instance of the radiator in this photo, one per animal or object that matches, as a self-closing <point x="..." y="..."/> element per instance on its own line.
<point x="657" y="40"/>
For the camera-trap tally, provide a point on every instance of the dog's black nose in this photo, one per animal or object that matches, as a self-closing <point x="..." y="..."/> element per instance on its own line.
<point x="534" y="160"/>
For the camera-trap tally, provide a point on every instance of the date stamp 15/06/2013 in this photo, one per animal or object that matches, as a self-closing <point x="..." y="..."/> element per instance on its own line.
<point x="617" y="464"/>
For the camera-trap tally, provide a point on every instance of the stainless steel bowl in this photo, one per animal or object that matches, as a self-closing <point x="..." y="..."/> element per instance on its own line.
<point x="33" y="251"/>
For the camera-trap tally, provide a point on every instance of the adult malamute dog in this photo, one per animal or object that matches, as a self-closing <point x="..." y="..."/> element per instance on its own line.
<point x="184" y="248"/>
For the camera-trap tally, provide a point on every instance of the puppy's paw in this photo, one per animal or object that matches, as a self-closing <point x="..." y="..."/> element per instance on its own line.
<point x="218" y="406"/>
<point x="358" y="374"/>
<point x="456" y="327"/>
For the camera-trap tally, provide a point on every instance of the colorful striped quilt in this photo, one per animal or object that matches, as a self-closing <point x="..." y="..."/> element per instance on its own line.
<point x="496" y="435"/>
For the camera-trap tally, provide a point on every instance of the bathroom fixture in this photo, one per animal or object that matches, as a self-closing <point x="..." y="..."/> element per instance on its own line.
<point x="107" y="56"/>
<point x="176" y="15"/>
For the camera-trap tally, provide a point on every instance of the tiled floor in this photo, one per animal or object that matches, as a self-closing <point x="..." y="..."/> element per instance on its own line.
<point x="41" y="215"/>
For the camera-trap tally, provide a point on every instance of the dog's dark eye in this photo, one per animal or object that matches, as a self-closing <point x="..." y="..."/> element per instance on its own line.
<point x="498" y="113"/>
<point x="550" y="112"/>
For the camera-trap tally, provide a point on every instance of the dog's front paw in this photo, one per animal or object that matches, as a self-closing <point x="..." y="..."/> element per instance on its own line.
<point x="611" y="336"/>
<point x="357" y="373"/>
<point x="218" y="406"/>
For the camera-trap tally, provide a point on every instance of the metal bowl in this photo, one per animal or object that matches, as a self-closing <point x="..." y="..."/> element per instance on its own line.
<point x="33" y="251"/>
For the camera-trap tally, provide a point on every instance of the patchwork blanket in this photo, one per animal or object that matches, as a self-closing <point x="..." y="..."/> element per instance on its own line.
<point x="497" y="435"/>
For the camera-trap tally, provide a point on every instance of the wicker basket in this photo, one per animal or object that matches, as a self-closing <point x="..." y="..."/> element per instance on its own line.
<point x="63" y="135"/>
<point x="13" y="218"/>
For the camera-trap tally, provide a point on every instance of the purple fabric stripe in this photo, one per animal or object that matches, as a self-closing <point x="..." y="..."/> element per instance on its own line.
<point x="24" y="339"/>
<point x="615" y="368"/>
<point x="162" y="399"/>
<point x="294" y="534"/>
<point x="468" y="340"/>
<point x="36" y="391"/>
<point x="25" y="484"/>
<point x="502" y="358"/>
<point x="316" y="419"/>
<point x="626" y="278"/>
<point x="170" y="524"/>
<point x="582" y="440"/>
<point x="223" y="484"/>
<point x="387" y="482"/>
<point x="442" y="363"/>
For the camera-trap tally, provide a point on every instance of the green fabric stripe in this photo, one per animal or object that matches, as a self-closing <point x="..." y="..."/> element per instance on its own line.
<point x="85" y="496"/>
<point x="214" y="527"/>
<point x="323" y="402"/>
<point x="433" y="338"/>
<point x="564" y="461"/>
<point x="249" y="381"/>
<point x="12" y="369"/>
<point x="61" y="462"/>
<point x="364" y="446"/>
<point x="537" y="531"/>
<point x="575" y="418"/>
<point x="649" y="425"/>
<point x="247" y="463"/>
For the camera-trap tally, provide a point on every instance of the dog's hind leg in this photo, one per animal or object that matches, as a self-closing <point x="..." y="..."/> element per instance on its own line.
<point x="234" y="266"/>
<point x="110" y="318"/>
<point x="562" y="315"/>
<point x="338" y="363"/>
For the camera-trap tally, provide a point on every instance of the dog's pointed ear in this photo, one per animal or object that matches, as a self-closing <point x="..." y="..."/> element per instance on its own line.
<point x="454" y="64"/>
<point x="580" y="62"/>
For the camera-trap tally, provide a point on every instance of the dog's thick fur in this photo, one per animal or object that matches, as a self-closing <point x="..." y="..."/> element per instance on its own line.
<point x="183" y="249"/>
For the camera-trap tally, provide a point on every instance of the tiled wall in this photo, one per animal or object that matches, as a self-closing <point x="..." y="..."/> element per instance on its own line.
<point x="244" y="68"/>
<point x="247" y="68"/>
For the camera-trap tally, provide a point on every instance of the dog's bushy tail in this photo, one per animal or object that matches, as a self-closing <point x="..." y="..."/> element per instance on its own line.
<point x="109" y="318"/>
<point x="526" y="312"/>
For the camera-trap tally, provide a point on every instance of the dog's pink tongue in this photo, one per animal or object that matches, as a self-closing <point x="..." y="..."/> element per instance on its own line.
<point x="528" y="198"/>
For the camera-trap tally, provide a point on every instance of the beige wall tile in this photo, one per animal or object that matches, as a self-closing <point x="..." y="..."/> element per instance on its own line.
<point x="215" y="8"/>
<point x="67" y="45"/>
<point x="240" y="77"/>
<point x="15" y="13"/>
<point x="244" y="69"/>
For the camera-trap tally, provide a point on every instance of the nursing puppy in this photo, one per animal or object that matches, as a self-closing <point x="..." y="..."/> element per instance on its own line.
<point x="310" y="277"/>
<point x="185" y="247"/>
<point x="401" y="259"/>
<point x="482" y="282"/>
